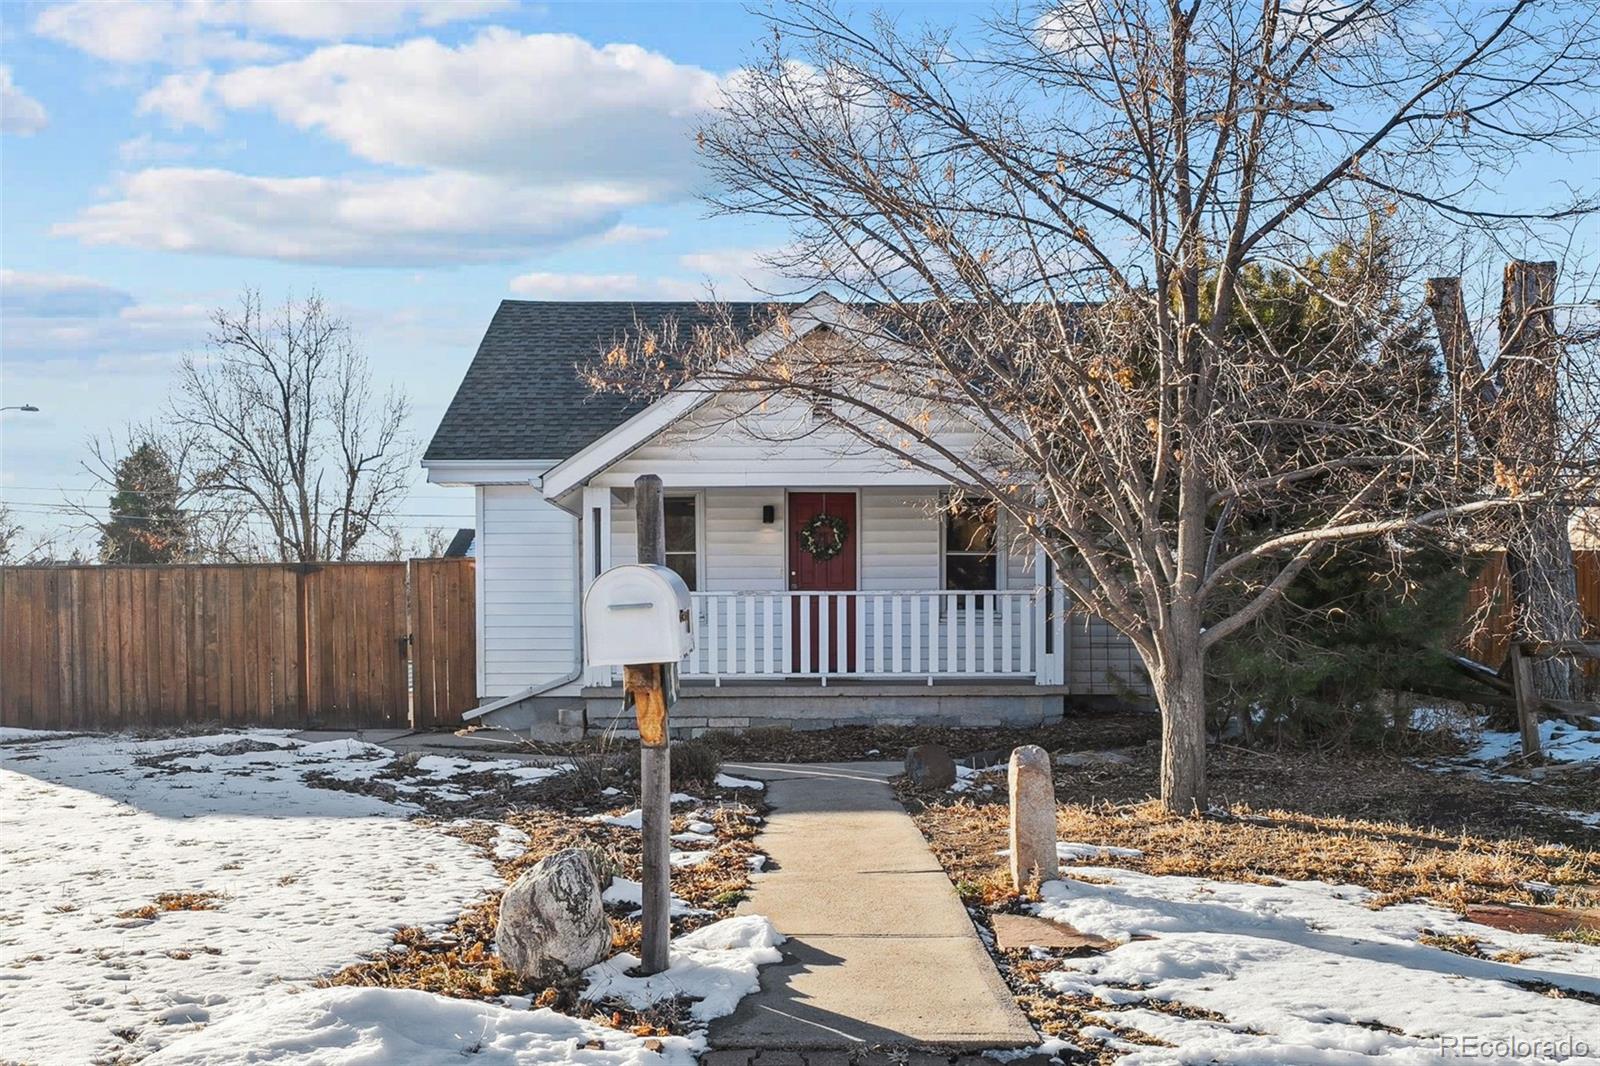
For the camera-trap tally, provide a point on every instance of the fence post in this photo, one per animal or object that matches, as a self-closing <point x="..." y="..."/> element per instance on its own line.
<point x="1527" y="700"/>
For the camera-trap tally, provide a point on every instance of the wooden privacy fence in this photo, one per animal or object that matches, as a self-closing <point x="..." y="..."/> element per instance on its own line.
<point x="1489" y="604"/>
<point x="332" y="645"/>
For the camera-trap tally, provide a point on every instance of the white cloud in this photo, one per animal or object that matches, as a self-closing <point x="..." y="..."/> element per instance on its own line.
<point x="742" y="271"/>
<point x="147" y="149"/>
<point x="539" y="107"/>
<point x="729" y="274"/>
<point x="543" y="286"/>
<point x="514" y="143"/>
<point x="61" y="317"/>
<point x="190" y="32"/>
<point x="19" y="112"/>
<point x="183" y="100"/>
<point x="625" y="233"/>
<point x="440" y="217"/>
<point x="28" y="295"/>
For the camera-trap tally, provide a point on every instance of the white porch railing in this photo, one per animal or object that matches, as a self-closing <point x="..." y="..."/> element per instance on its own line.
<point x="870" y="634"/>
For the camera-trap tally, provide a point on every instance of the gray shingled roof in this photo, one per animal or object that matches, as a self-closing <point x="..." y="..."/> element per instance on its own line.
<point x="522" y="397"/>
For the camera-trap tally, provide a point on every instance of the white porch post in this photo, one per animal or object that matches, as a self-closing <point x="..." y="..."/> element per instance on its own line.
<point x="594" y="538"/>
<point x="1046" y="668"/>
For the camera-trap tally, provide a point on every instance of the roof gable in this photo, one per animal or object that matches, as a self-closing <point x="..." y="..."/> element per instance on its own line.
<point x="523" y="396"/>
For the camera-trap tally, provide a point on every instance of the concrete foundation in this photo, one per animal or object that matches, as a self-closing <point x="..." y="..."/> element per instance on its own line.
<point x="740" y="706"/>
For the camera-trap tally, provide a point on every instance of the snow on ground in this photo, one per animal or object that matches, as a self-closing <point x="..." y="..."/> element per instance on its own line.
<point x="1560" y="740"/>
<point x="1307" y="972"/>
<point x="729" y="781"/>
<point x="382" y="1026"/>
<point x="308" y="880"/>
<point x="716" y="966"/>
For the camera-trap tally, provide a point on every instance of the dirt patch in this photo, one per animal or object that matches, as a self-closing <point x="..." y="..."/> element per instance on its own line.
<point x="1079" y="730"/>
<point x="167" y="902"/>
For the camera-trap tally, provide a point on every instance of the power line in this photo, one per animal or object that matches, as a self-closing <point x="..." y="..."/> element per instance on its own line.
<point x="39" y="507"/>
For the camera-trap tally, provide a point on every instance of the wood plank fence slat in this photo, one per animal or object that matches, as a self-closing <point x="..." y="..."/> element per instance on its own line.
<point x="113" y="647"/>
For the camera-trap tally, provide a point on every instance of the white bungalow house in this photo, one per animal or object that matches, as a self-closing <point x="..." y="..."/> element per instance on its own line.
<point x="921" y="614"/>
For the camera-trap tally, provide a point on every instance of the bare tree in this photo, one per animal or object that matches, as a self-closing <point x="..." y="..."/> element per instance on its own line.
<point x="287" y="430"/>
<point x="1512" y="408"/>
<point x="1058" y="227"/>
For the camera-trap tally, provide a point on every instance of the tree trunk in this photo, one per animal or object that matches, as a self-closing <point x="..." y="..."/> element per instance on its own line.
<point x="1181" y="692"/>
<point x="1539" y="556"/>
<point x="1544" y="588"/>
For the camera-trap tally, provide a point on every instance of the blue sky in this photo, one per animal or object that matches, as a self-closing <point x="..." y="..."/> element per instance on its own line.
<point x="414" y="160"/>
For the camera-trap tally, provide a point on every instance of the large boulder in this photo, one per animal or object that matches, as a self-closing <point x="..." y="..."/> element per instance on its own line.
<point x="930" y="766"/>
<point x="552" y="920"/>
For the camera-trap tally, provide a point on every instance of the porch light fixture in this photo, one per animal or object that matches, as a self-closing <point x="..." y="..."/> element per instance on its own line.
<point x="769" y="514"/>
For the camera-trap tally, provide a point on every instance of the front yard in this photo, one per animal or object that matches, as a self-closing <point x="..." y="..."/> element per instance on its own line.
<point x="198" y="899"/>
<point x="1327" y="910"/>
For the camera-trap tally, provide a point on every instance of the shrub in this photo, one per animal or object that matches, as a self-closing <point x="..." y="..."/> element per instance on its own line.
<point x="694" y="762"/>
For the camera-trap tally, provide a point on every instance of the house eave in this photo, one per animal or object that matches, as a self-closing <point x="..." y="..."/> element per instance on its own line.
<point x="486" y="471"/>
<point x="577" y="469"/>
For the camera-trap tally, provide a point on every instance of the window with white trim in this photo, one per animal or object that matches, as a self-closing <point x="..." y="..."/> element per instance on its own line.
<point x="971" y="553"/>
<point x="683" y="538"/>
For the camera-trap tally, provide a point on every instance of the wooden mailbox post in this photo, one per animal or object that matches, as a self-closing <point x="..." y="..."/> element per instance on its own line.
<point x="638" y="617"/>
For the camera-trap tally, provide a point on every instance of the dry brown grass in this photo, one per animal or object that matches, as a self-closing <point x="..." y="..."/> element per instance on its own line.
<point x="1403" y="832"/>
<point x="167" y="902"/>
<point x="1399" y="862"/>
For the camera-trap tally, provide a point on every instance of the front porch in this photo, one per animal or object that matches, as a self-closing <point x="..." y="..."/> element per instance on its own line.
<point x="895" y="605"/>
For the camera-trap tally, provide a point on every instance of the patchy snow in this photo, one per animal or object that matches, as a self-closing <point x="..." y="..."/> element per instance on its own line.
<point x="350" y="1026"/>
<point x="625" y="893"/>
<point x="1073" y="851"/>
<point x="1560" y="740"/>
<point x="688" y="858"/>
<point x="729" y="781"/>
<point x="715" y="966"/>
<point x="1070" y="851"/>
<point x="308" y="880"/>
<point x="634" y="819"/>
<point x="1307" y="972"/>
<point x="691" y="837"/>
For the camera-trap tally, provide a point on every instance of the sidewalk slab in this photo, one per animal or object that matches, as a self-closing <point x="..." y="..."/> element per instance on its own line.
<point x="881" y="951"/>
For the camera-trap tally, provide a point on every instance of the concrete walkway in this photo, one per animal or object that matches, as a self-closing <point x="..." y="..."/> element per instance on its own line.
<point x="881" y="952"/>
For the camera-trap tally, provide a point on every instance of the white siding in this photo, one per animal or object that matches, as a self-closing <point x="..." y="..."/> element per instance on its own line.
<point x="899" y="540"/>
<point x="729" y="442"/>
<point x="527" y="558"/>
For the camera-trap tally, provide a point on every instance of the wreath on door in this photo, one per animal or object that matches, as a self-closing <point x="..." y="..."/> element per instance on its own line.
<point x="824" y="548"/>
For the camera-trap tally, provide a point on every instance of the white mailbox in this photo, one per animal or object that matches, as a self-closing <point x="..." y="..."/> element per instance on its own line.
<point x="636" y="614"/>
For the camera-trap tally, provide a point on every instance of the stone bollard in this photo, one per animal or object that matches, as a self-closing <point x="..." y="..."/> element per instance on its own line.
<point x="1033" y="818"/>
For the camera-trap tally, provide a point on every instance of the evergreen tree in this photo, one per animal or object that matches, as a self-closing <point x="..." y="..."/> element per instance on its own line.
<point x="1319" y="665"/>
<point x="147" y="523"/>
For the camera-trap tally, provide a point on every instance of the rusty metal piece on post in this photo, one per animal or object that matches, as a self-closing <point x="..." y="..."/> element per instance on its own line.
<point x="647" y="690"/>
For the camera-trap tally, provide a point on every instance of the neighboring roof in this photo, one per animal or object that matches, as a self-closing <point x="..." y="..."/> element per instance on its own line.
<point x="522" y="397"/>
<point x="460" y="544"/>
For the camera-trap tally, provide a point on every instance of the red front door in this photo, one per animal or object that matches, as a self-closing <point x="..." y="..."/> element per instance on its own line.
<point x="813" y="570"/>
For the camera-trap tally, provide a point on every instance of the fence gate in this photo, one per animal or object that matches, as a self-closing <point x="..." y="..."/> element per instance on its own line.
<point x="354" y="619"/>
<point x="443" y="646"/>
<point x="325" y="645"/>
